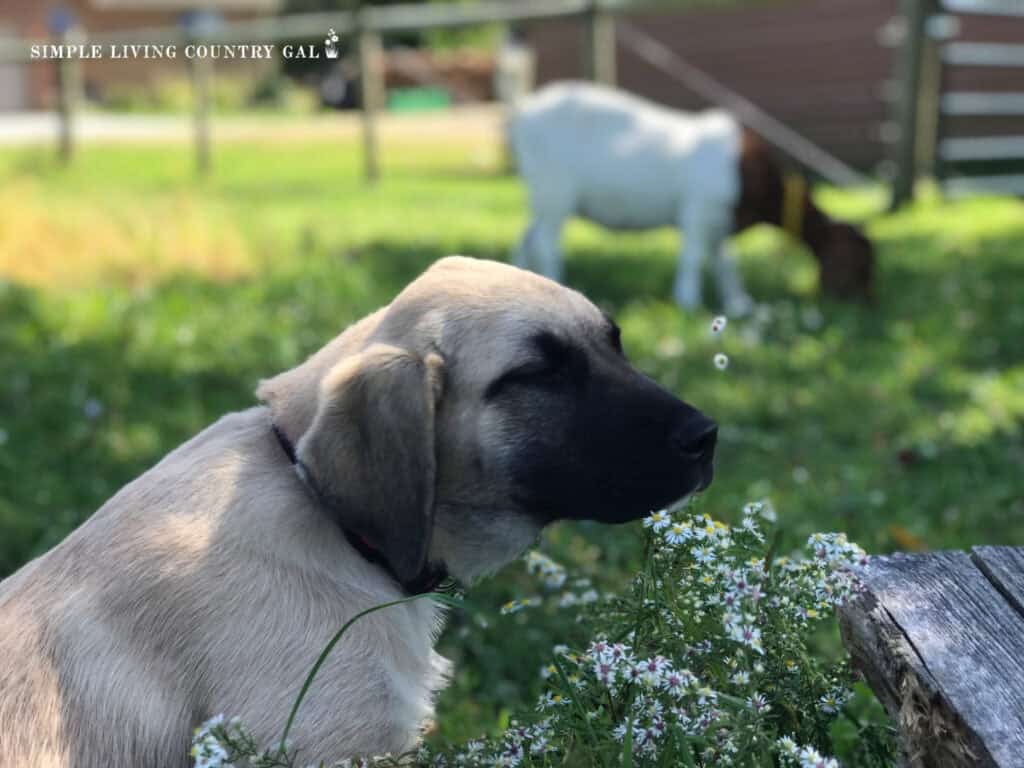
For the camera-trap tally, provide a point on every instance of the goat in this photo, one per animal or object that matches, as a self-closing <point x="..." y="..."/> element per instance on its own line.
<point x="626" y="163"/>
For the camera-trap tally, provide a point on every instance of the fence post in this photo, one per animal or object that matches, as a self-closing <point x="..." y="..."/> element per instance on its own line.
<point x="371" y="90"/>
<point x="915" y="15"/>
<point x="199" y="69"/>
<point x="940" y="28"/>
<point x="514" y="74"/>
<point x="928" y="103"/>
<point x="600" y="44"/>
<point x="69" y="83"/>
<point x="200" y="26"/>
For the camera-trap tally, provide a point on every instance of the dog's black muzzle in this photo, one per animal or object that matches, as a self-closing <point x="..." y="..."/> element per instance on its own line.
<point x="695" y="441"/>
<point x="622" y="448"/>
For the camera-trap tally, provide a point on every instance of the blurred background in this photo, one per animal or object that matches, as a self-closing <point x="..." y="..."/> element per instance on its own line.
<point x="173" y="229"/>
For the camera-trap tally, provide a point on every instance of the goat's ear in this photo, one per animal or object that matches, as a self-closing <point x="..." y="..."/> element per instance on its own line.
<point x="369" y="452"/>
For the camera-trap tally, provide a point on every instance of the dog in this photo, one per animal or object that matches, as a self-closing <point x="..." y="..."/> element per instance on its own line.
<point x="625" y="163"/>
<point x="437" y="436"/>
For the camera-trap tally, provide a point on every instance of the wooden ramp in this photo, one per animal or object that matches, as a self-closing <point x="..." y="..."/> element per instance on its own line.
<point x="940" y="638"/>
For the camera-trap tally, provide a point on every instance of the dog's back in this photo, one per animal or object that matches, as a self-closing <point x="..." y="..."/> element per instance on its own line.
<point x="94" y="669"/>
<point x="30" y="699"/>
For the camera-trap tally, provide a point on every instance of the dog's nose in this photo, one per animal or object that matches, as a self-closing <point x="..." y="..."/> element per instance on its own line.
<point x="696" y="439"/>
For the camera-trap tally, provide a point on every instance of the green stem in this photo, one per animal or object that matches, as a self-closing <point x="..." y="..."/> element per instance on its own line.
<point x="627" y="745"/>
<point x="441" y="598"/>
<point x="575" y="701"/>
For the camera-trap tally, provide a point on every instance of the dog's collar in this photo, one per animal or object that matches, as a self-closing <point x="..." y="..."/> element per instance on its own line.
<point x="428" y="579"/>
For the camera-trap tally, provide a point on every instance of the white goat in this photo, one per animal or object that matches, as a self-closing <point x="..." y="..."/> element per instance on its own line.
<point x="625" y="163"/>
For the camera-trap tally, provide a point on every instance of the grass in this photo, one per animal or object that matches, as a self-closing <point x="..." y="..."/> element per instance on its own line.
<point x="142" y="303"/>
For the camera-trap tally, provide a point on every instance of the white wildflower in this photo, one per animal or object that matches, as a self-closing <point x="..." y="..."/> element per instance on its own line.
<point x="658" y="520"/>
<point x="703" y="555"/>
<point x="514" y="606"/>
<point x="92" y="409"/>
<point x="788" y="747"/>
<point x="552" y="574"/>
<point x="678" y="533"/>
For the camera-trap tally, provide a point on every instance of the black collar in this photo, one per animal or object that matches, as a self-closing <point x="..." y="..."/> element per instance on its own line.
<point x="427" y="580"/>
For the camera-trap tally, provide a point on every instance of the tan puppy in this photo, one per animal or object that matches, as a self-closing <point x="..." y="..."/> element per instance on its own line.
<point x="439" y="434"/>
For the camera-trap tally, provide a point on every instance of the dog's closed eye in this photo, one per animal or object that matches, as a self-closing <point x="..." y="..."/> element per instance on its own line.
<point x="549" y="365"/>
<point x="614" y="334"/>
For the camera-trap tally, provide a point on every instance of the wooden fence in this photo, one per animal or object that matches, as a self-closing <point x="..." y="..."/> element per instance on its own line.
<point x="597" y="59"/>
<point x="366" y="28"/>
<point x="815" y="66"/>
<point x="961" y="114"/>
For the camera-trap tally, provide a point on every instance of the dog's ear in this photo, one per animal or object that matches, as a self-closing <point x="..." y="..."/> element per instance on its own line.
<point x="369" y="452"/>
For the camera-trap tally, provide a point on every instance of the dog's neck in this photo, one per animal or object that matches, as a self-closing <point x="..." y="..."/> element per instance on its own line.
<point x="430" y="576"/>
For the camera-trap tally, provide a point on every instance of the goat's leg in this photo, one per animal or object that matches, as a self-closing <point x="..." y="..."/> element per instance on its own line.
<point x="700" y="235"/>
<point x="524" y="255"/>
<point x="730" y="285"/>
<point x="546" y="236"/>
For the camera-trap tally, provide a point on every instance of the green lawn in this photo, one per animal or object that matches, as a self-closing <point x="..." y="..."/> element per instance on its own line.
<point x="142" y="304"/>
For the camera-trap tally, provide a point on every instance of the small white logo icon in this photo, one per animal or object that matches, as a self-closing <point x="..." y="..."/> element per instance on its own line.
<point x="331" y="44"/>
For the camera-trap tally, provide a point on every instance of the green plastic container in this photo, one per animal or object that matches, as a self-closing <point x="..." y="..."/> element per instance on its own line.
<point x="418" y="99"/>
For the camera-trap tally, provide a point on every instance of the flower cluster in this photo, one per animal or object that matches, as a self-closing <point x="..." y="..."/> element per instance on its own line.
<point x="793" y="755"/>
<point x="228" y="744"/>
<point x="705" y="662"/>
<point x="206" y="746"/>
<point x="551" y="572"/>
<point x="580" y="592"/>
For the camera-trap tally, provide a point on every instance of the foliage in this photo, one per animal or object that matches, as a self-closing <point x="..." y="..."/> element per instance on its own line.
<point x="142" y="304"/>
<point x="228" y="94"/>
<point x="705" y="661"/>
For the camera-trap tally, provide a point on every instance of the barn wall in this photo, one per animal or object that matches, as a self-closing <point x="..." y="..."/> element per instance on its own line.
<point x="814" y="64"/>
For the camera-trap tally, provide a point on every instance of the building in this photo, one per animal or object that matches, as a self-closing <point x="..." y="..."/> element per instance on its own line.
<point x="32" y="85"/>
<point x="826" y="68"/>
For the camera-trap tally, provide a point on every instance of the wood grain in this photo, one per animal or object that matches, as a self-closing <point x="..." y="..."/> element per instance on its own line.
<point x="1004" y="567"/>
<point x="944" y="650"/>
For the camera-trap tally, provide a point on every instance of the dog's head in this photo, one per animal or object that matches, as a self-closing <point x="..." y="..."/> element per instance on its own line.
<point x="482" y="404"/>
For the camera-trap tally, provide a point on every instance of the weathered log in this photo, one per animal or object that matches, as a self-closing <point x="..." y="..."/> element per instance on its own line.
<point x="940" y="639"/>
